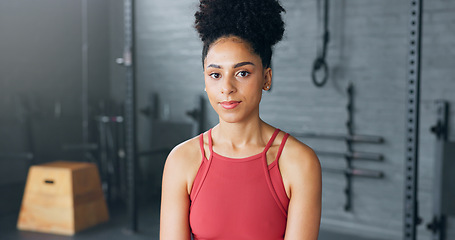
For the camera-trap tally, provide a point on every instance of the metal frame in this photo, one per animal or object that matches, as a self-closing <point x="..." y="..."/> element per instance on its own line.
<point x="411" y="213"/>
<point x="350" y="138"/>
<point x="344" y="137"/>
<point x="438" y="224"/>
<point x="110" y="144"/>
<point x="350" y="170"/>
<point x="84" y="63"/>
<point x="130" y="112"/>
<point x="349" y="167"/>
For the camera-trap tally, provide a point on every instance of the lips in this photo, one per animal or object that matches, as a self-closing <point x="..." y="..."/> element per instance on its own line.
<point x="230" y="104"/>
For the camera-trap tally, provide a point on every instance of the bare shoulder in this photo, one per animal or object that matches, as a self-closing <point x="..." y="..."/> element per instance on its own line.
<point x="299" y="167"/>
<point x="301" y="173"/>
<point x="178" y="169"/>
<point x="296" y="153"/>
<point x="185" y="153"/>
<point x="183" y="162"/>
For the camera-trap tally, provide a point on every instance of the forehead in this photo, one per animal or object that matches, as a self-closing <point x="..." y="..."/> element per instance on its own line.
<point x="231" y="49"/>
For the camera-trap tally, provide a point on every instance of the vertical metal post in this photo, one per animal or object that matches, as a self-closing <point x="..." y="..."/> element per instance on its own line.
<point x="84" y="97"/>
<point x="411" y="213"/>
<point x="437" y="226"/>
<point x="349" y="125"/>
<point x="130" y="113"/>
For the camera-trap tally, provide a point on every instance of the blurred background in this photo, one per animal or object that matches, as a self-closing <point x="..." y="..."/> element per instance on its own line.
<point x="63" y="93"/>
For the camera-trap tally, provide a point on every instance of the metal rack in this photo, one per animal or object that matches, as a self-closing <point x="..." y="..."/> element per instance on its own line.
<point x="443" y="193"/>
<point x="128" y="60"/>
<point x="111" y="156"/>
<point x="411" y="213"/>
<point x="350" y="138"/>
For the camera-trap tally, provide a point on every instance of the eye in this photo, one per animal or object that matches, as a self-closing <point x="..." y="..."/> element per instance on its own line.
<point x="215" y="75"/>
<point x="243" y="74"/>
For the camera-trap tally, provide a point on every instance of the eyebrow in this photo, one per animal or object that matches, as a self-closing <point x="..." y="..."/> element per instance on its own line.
<point x="241" y="64"/>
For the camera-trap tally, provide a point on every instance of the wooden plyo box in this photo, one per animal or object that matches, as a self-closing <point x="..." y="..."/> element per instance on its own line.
<point x="62" y="198"/>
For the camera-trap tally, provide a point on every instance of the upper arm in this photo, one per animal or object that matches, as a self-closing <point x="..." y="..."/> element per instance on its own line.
<point x="175" y="201"/>
<point x="302" y="170"/>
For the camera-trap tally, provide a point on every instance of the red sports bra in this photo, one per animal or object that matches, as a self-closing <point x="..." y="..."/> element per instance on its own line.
<point x="238" y="198"/>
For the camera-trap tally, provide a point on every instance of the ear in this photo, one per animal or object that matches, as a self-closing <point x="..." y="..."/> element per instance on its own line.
<point x="267" y="79"/>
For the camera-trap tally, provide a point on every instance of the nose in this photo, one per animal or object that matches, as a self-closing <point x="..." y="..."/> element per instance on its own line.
<point x="228" y="86"/>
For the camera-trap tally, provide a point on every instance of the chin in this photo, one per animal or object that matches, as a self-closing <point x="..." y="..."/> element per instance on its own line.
<point x="234" y="117"/>
<point x="229" y="119"/>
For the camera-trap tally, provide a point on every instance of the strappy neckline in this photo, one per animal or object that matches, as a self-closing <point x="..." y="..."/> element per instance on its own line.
<point x="249" y="158"/>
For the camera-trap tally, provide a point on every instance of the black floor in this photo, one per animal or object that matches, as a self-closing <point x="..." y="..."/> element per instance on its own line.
<point x="117" y="228"/>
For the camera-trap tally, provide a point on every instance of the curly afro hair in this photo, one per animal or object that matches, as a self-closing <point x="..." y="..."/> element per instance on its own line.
<point x="258" y="22"/>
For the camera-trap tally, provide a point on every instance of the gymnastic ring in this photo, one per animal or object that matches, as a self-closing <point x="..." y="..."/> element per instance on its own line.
<point x="318" y="64"/>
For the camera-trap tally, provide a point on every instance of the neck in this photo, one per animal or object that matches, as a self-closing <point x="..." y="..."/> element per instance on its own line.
<point x="240" y="134"/>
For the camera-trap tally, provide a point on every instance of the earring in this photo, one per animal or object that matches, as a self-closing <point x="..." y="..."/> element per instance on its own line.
<point x="266" y="87"/>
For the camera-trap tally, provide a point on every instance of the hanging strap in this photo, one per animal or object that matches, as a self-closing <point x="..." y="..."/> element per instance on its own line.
<point x="320" y="62"/>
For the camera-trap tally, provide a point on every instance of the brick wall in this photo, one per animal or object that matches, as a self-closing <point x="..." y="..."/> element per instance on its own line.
<point x="368" y="48"/>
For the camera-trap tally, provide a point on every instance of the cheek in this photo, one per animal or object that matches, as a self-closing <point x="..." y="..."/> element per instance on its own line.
<point x="209" y="86"/>
<point x="210" y="90"/>
<point x="254" y="88"/>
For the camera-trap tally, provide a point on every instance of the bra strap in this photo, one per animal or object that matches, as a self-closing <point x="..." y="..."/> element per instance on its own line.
<point x="280" y="150"/>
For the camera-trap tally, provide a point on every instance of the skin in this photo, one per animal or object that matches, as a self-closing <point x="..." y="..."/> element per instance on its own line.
<point x="233" y="72"/>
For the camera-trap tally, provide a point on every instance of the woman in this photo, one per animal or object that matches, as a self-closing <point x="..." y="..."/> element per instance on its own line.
<point x="243" y="179"/>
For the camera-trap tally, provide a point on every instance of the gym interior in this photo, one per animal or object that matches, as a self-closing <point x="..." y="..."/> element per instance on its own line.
<point x="369" y="85"/>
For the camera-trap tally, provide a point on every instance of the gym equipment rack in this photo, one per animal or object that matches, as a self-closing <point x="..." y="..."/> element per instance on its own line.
<point x="444" y="166"/>
<point x="349" y="138"/>
<point x="411" y="213"/>
<point x="128" y="61"/>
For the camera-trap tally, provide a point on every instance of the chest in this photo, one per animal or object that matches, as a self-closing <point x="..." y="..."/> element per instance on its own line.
<point x="236" y="199"/>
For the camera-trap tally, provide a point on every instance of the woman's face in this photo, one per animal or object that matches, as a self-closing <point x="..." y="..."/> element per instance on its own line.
<point x="234" y="79"/>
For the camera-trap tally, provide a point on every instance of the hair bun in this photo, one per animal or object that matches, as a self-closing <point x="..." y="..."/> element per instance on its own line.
<point x="258" y="21"/>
